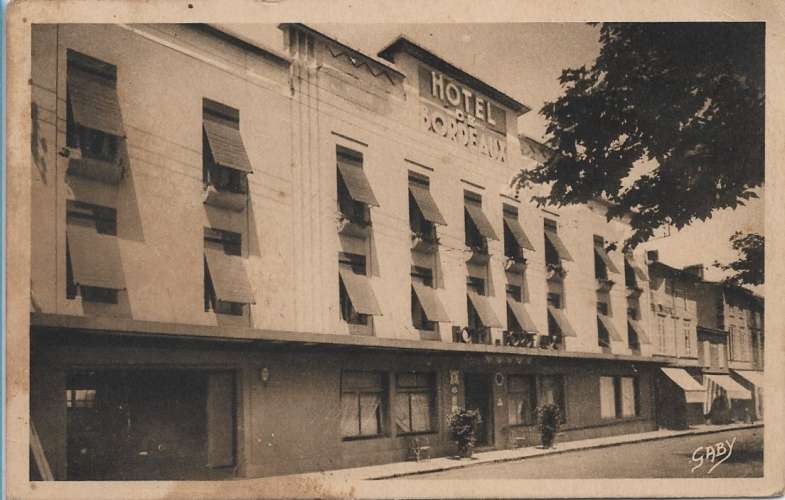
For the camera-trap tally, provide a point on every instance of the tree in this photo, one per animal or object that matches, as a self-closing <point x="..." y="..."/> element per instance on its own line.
<point x="748" y="268"/>
<point x="682" y="101"/>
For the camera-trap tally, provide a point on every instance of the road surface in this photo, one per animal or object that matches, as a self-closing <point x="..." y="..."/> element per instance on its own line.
<point x="663" y="458"/>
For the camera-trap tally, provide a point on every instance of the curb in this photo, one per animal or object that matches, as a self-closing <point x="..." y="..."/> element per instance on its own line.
<point x="558" y="452"/>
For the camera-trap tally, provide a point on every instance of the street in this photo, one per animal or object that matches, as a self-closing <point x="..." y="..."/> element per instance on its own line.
<point x="654" y="459"/>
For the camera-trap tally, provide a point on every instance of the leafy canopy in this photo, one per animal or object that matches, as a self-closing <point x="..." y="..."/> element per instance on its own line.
<point x="748" y="268"/>
<point x="685" y="98"/>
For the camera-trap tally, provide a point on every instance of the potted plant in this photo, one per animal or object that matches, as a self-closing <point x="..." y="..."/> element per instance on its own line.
<point x="462" y="425"/>
<point x="548" y="419"/>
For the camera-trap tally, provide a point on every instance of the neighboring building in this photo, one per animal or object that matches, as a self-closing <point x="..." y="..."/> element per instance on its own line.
<point x="710" y="357"/>
<point x="248" y="263"/>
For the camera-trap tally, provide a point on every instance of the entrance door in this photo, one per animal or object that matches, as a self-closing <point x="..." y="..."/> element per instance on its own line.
<point x="478" y="396"/>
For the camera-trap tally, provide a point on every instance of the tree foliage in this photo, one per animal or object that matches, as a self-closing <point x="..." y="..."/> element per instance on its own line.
<point x="748" y="268"/>
<point x="686" y="99"/>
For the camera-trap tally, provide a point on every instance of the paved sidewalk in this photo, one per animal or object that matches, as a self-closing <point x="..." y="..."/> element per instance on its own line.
<point x="399" y="469"/>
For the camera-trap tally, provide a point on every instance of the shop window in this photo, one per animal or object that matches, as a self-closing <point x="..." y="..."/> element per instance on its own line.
<point x="424" y="214"/>
<point x="93" y="265"/>
<point x="477" y="228"/>
<point x="225" y="164"/>
<point x="415" y="408"/>
<point x="552" y="392"/>
<point x="427" y="309"/>
<point x="357" y="299"/>
<point x="619" y="397"/>
<point x="355" y="196"/>
<point x="522" y="399"/>
<point x="227" y="289"/>
<point x="93" y="122"/>
<point x="363" y="396"/>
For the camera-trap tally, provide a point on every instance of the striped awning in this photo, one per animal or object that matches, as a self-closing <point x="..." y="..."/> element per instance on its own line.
<point x="733" y="388"/>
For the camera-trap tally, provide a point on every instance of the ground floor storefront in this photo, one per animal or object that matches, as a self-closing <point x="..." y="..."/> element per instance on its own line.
<point x="118" y="407"/>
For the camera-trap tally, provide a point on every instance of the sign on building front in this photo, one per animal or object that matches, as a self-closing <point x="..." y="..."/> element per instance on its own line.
<point x="456" y="112"/>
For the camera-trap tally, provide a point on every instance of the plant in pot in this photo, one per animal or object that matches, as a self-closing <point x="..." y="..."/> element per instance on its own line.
<point x="462" y="425"/>
<point x="548" y="420"/>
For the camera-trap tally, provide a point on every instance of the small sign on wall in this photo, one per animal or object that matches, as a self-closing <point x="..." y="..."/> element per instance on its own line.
<point x="455" y="377"/>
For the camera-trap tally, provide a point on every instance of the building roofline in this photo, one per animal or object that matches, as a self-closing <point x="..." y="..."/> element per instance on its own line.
<point x="243" y="43"/>
<point x="371" y="59"/>
<point x="405" y="45"/>
<point x="124" y="326"/>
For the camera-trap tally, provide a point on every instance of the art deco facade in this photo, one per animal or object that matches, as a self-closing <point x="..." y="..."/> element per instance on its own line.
<point x="249" y="262"/>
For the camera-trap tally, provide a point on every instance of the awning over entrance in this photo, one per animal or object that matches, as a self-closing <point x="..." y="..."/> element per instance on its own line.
<point x="694" y="392"/>
<point x="755" y="378"/>
<point x="733" y="388"/>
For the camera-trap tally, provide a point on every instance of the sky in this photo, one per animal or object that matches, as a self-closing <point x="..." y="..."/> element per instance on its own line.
<point x="524" y="60"/>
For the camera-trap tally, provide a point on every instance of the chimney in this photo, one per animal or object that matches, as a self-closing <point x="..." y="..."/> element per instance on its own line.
<point x="652" y="256"/>
<point x="695" y="269"/>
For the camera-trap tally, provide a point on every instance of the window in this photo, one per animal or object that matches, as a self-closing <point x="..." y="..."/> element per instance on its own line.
<point x="478" y="229"/>
<point x="363" y="395"/>
<point x="415" y="399"/>
<point x="515" y="239"/>
<point x="687" y="333"/>
<point x="355" y="196"/>
<point x="618" y="397"/>
<point x="555" y="250"/>
<point x="226" y="286"/>
<point x="427" y="309"/>
<point x="423" y="211"/>
<point x="602" y="308"/>
<point x="225" y="164"/>
<point x="522" y="399"/>
<point x="603" y="337"/>
<point x="93" y="121"/>
<point x="554" y="300"/>
<point x="602" y="261"/>
<point x="552" y="392"/>
<point x="93" y="266"/>
<point x="662" y="341"/>
<point x="357" y="299"/>
<point x="518" y="319"/>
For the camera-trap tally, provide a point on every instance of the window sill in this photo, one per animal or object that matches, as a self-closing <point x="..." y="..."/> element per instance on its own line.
<point x="363" y="438"/>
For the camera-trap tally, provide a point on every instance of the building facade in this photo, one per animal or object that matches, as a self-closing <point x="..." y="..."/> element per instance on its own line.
<point x="712" y="336"/>
<point x="249" y="262"/>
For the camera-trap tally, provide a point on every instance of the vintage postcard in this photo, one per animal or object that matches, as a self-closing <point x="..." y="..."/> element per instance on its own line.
<point x="394" y="250"/>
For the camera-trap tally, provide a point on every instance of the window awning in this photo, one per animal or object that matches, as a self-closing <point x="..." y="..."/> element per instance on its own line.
<point x="522" y="316"/>
<point x="477" y="216"/>
<point x="694" y="392"/>
<point x="484" y="310"/>
<point x="639" y="272"/>
<point x="429" y="300"/>
<point x="733" y="388"/>
<point x="357" y="183"/>
<point x="226" y="144"/>
<point x="95" y="258"/>
<point x="360" y="292"/>
<point x="607" y="322"/>
<point x="94" y="102"/>
<point x="422" y="195"/>
<point x="558" y="244"/>
<point x="517" y="231"/>
<point x="561" y="319"/>
<point x="639" y="331"/>
<point x="229" y="277"/>
<point x="755" y="378"/>
<point x="602" y="254"/>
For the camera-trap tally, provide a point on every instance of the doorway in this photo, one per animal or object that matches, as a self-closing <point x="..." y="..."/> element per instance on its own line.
<point x="478" y="393"/>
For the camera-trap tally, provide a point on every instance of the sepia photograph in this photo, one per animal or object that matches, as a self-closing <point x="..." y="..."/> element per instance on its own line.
<point x="405" y="255"/>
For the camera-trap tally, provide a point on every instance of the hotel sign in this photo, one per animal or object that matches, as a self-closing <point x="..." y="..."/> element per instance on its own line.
<point x="454" y="111"/>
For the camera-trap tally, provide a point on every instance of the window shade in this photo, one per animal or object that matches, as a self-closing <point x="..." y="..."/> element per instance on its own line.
<point x="558" y="244"/>
<point x="94" y="101"/>
<point x="360" y="292"/>
<point x="639" y="331"/>
<point x="226" y="144"/>
<point x="522" y="316"/>
<point x="517" y="231"/>
<point x="95" y="257"/>
<point x="561" y="319"/>
<point x="229" y="277"/>
<point x="607" y="322"/>
<point x="429" y="300"/>
<point x="484" y="310"/>
<point x="603" y="255"/>
<point x="477" y="216"/>
<point x="356" y="182"/>
<point x="426" y="203"/>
